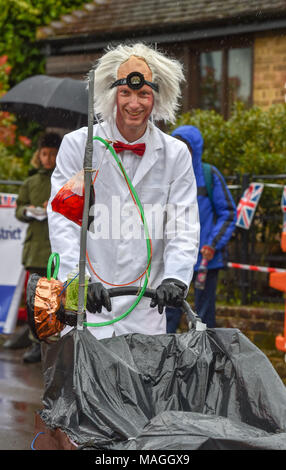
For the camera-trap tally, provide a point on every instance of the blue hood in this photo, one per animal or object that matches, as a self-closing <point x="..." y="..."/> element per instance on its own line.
<point x="192" y="136"/>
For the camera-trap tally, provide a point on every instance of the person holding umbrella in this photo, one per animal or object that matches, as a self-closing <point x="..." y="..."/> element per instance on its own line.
<point x="133" y="86"/>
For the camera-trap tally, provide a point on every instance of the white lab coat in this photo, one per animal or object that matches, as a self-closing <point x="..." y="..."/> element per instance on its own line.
<point x="116" y="244"/>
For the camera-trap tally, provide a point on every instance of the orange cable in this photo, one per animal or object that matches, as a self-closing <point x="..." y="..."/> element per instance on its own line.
<point x="89" y="262"/>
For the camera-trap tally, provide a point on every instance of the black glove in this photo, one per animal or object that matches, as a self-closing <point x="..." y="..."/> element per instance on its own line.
<point x="170" y="292"/>
<point x="97" y="297"/>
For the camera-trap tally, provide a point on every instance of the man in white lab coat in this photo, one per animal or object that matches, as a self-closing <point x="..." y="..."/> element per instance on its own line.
<point x="134" y="85"/>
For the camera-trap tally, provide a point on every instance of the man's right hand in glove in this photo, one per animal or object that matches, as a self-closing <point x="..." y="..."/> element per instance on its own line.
<point x="97" y="297"/>
<point x="171" y="293"/>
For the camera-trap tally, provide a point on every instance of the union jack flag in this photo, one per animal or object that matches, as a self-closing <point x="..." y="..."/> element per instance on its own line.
<point x="247" y="205"/>
<point x="283" y="207"/>
<point x="8" y="200"/>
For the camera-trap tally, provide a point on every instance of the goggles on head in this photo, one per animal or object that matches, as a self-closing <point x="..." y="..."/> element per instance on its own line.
<point x="135" y="80"/>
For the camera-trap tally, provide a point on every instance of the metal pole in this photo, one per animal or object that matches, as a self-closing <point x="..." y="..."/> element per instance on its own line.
<point x="87" y="165"/>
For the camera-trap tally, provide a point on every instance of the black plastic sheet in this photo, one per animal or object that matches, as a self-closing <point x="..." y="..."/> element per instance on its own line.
<point x="211" y="389"/>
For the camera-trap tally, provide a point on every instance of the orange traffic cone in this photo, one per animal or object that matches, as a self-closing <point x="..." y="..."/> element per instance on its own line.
<point x="283" y="241"/>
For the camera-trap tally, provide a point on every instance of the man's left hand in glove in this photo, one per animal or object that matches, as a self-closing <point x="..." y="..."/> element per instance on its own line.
<point x="171" y="293"/>
<point x="97" y="297"/>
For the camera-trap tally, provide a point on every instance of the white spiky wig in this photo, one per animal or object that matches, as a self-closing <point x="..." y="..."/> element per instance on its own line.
<point x="166" y="72"/>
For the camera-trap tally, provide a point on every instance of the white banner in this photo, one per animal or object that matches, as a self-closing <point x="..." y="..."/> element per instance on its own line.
<point x="12" y="273"/>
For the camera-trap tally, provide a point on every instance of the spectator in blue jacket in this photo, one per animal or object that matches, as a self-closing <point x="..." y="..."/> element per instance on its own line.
<point x="217" y="218"/>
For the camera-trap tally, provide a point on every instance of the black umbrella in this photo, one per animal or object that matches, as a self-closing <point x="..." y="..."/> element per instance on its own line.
<point x="50" y="101"/>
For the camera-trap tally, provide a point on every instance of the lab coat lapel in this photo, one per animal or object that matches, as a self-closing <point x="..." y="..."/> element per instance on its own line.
<point x="104" y="131"/>
<point x="153" y="147"/>
<point x="151" y="155"/>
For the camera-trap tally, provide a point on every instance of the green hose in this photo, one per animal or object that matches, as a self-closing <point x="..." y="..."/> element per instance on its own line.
<point x="141" y="293"/>
<point x="53" y="256"/>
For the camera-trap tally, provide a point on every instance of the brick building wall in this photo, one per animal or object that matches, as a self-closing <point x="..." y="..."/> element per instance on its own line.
<point x="269" y="69"/>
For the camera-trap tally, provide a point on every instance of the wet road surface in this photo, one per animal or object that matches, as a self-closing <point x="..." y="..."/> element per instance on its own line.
<point x="21" y="388"/>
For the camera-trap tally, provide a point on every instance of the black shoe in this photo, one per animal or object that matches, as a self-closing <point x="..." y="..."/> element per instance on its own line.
<point x="19" y="340"/>
<point x="33" y="354"/>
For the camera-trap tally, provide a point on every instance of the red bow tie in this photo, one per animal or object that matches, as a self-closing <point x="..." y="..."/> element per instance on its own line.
<point x="139" y="149"/>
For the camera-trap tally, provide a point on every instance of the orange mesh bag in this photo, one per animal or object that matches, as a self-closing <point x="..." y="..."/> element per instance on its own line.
<point x="46" y="299"/>
<point x="44" y="305"/>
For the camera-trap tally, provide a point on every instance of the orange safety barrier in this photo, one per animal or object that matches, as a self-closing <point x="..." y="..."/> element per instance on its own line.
<point x="278" y="281"/>
<point x="283" y="241"/>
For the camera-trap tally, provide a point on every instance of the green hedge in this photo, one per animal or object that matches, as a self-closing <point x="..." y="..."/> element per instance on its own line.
<point x="250" y="141"/>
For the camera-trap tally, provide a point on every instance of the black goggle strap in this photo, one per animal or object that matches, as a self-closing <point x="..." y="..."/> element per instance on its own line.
<point x="135" y="80"/>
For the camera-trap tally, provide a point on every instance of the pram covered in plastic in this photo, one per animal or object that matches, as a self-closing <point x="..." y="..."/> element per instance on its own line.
<point x="210" y="389"/>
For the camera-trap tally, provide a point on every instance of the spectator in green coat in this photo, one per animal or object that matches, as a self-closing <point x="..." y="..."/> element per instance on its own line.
<point x="31" y="208"/>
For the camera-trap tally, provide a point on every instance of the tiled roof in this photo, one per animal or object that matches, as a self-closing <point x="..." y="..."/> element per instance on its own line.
<point x="119" y="16"/>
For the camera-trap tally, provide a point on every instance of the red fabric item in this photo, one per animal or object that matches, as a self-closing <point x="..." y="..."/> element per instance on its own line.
<point x="139" y="149"/>
<point x="69" y="204"/>
<point x="69" y="200"/>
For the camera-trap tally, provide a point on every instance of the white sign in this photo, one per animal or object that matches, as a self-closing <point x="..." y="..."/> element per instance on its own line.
<point x="12" y="273"/>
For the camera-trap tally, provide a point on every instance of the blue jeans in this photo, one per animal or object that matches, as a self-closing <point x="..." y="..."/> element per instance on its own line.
<point x="204" y="304"/>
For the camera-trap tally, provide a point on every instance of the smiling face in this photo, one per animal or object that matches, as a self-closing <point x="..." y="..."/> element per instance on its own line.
<point x="133" y="106"/>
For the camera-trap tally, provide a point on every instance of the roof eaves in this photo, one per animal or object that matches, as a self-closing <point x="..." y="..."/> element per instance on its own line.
<point x="89" y="43"/>
<point x="69" y="26"/>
